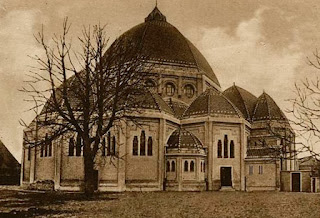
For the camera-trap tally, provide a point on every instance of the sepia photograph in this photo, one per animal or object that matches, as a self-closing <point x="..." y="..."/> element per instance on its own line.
<point x="158" y="108"/>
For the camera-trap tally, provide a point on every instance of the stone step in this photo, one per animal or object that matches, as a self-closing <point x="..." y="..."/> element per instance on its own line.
<point x="227" y="188"/>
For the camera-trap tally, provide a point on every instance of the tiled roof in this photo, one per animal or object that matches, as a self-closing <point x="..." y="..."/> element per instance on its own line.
<point x="182" y="138"/>
<point x="160" y="42"/>
<point x="177" y="107"/>
<point x="7" y="161"/>
<point x="213" y="103"/>
<point x="267" y="109"/>
<point x="242" y="99"/>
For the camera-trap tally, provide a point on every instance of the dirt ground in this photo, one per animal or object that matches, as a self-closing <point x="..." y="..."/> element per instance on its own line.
<point x="18" y="203"/>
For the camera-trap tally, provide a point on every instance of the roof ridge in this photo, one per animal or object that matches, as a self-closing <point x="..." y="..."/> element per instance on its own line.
<point x="234" y="107"/>
<point x="268" y="106"/>
<point x="243" y="101"/>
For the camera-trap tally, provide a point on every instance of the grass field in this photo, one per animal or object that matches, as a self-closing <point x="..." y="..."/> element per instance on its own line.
<point x="159" y="204"/>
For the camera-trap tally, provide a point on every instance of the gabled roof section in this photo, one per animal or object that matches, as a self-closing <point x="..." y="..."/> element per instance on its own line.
<point x="212" y="103"/>
<point x="7" y="160"/>
<point x="267" y="109"/>
<point x="242" y="99"/>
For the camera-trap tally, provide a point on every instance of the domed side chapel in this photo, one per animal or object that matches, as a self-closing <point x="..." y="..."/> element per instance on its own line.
<point x="193" y="135"/>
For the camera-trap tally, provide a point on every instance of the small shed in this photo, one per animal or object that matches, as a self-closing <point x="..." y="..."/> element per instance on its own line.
<point x="297" y="181"/>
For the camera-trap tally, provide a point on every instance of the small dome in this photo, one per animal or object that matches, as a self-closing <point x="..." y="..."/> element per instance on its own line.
<point x="242" y="99"/>
<point x="182" y="138"/>
<point x="159" y="42"/>
<point x="212" y="103"/>
<point x="267" y="109"/>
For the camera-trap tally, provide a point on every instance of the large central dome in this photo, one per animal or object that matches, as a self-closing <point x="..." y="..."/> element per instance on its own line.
<point x="162" y="43"/>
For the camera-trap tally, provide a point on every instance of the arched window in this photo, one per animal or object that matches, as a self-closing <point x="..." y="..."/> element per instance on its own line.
<point x="201" y="167"/>
<point x="170" y="89"/>
<point x="78" y="146"/>
<point x="188" y="90"/>
<point x="103" y="147"/>
<point x="135" y="146"/>
<point x="29" y="152"/>
<point x="50" y="148"/>
<point x="42" y="150"/>
<point x="150" y="83"/>
<point x="150" y="146"/>
<point x="192" y="166"/>
<point x="173" y="166"/>
<point x="46" y="146"/>
<point x="109" y="144"/>
<point x="142" y="143"/>
<point x="231" y="149"/>
<point x="114" y="145"/>
<point x="204" y="167"/>
<point x="71" y="147"/>
<point x="186" y="166"/>
<point x="219" y="149"/>
<point x="225" y="146"/>
<point x="168" y="166"/>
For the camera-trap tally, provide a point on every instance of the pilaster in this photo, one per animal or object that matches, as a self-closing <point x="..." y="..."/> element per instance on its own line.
<point x="58" y="146"/>
<point x="161" y="146"/>
<point x="122" y="153"/>
<point x="242" y="156"/>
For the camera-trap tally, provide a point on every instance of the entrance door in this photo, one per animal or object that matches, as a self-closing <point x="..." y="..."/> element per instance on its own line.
<point x="295" y="179"/>
<point x="95" y="176"/>
<point x="225" y="176"/>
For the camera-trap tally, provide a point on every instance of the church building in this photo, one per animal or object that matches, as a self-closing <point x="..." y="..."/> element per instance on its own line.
<point x="194" y="135"/>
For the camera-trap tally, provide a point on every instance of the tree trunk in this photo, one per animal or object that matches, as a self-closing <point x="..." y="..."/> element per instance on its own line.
<point x="89" y="179"/>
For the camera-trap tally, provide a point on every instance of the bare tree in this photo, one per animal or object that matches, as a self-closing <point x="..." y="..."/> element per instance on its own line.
<point x="85" y="93"/>
<point x="305" y="112"/>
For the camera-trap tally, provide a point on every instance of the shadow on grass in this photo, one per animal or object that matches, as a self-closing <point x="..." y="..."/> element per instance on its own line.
<point x="26" y="204"/>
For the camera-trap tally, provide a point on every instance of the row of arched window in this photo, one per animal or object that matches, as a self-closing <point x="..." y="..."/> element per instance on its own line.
<point x="46" y="148"/>
<point x="189" y="167"/>
<point x="170" y="88"/>
<point x="75" y="146"/>
<point x="144" y="147"/>
<point x="188" y="89"/>
<point x="108" y="145"/>
<point x="171" y="166"/>
<point x="226" y="147"/>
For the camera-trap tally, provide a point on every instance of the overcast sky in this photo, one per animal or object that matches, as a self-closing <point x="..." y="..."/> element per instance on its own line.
<point x="259" y="45"/>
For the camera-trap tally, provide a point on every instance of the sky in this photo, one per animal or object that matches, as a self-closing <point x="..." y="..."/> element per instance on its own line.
<point x="258" y="45"/>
